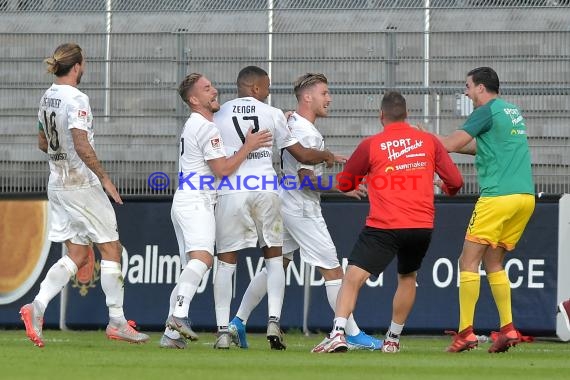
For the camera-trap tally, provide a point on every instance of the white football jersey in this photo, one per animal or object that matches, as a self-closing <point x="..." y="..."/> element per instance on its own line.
<point x="63" y="107"/>
<point x="233" y="120"/>
<point x="295" y="201"/>
<point x="200" y="142"/>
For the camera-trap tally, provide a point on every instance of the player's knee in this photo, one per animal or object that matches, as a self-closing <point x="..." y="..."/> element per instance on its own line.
<point x="111" y="250"/>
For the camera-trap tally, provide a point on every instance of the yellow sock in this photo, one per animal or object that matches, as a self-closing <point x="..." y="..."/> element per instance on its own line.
<point x="501" y="289"/>
<point x="469" y="284"/>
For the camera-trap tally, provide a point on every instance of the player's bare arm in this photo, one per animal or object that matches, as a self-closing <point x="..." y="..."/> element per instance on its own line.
<point x="89" y="157"/>
<point x="470" y="148"/>
<point x="309" y="156"/>
<point x="340" y="159"/>
<point x="225" y="166"/>
<point x="459" y="142"/>
<point x="305" y="174"/>
<point x="450" y="181"/>
<point x="360" y="192"/>
<point x="42" y="141"/>
<point x="323" y="183"/>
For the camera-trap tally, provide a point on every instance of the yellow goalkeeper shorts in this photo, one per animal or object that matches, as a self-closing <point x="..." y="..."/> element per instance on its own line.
<point x="500" y="221"/>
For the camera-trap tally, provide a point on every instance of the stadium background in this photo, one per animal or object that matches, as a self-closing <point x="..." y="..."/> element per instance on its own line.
<point x="138" y="51"/>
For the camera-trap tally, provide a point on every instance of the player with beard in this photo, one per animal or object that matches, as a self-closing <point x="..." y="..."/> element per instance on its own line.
<point x="305" y="227"/>
<point x="81" y="212"/>
<point x="202" y="155"/>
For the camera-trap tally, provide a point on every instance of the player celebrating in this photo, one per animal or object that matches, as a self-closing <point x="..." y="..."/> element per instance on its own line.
<point x="202" y="155"/>
<point x="246" y="214"/>
<point x="305" y="227"/>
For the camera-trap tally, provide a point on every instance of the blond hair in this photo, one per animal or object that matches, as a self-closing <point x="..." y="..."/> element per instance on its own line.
<point x="63" y="59"/>
<point x="187" y="85"/>
<point x="306" y="81"/>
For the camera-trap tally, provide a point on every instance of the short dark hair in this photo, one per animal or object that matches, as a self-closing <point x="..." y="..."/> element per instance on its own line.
<point x="306" y="81"/>
<point x="249" y="74"/>
<point x="394" y="106"/>
<point x="187" y="84"/>
<point x="487" y="77"/>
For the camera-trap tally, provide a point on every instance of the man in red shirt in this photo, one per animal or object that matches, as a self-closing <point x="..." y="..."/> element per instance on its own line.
<point x="398" y="166"/>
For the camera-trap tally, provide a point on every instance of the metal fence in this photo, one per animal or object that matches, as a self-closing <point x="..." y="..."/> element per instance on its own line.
<point x="138" y="51"/>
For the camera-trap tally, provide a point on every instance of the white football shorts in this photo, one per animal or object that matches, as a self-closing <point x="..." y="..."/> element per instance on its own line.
<point x="312" y="237"/>
<point x="243" y="218"/>
<point x="82" y="216"/>
<point x="194" y="223"/>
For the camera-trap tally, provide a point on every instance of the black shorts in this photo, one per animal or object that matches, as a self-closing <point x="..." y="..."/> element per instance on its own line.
<point x="375" y="249"/>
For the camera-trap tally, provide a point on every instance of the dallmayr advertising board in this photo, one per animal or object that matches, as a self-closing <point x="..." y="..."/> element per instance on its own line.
<point x="151" y="267"/>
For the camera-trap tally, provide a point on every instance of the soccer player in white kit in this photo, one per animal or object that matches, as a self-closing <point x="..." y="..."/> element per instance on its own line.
<point x="81" y="211"/>
<point x="305" y="227"/>
<point x="248" y="208"/>
<point x="202" y="160"/>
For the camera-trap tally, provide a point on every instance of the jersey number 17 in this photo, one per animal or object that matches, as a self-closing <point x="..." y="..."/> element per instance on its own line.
<point x="238" y="128"/>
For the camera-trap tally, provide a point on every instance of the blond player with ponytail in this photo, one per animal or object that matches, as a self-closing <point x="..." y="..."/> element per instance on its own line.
<point x="81" y="211"/>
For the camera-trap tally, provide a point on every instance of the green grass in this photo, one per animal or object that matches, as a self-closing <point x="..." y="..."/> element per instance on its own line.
<point x="89" y="355"/>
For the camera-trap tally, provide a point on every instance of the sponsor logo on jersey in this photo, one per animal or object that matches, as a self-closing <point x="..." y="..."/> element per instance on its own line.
<point x="514" y="114"/>
<point x="400" y="147"/>
<point x="82" y="114"/>
<point x="259" y="155"/>
<point x="407" y="166"/>
<point x="518" y="132"/>
<point x="57" y="156"/>
<point x="412" y="165"/>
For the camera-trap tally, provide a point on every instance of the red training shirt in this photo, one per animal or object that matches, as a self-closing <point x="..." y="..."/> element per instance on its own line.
<point x="398" y="166"/>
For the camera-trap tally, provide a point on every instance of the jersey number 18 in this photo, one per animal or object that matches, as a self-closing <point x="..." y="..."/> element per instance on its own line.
<point x="51" y="131"/>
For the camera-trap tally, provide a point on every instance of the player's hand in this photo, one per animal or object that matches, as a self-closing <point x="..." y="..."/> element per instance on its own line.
<point x="111" y="190"/>
<point x="329" y="160"/>
<point x="340" y="159"/>
<point x="334" y="158"/>
<point x="359" y="193"/>
<point x="438" y="183"/>
<point x="259" y="139"/>
<point x="288" y="114"/>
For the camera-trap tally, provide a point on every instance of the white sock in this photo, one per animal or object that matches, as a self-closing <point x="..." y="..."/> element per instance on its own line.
<point x="56" y="278"/>
<point x="351" y="326"/>
<point x="113" y="287"/>
<point x="332" y="287"/>
<point x="188" y="283"/>
<point x="173" y="334"/>
<point x="256" y="290"/>
<point x="173" y="295"/>
<point x="223" y="292"/>
<point x="275" y="285"/>
<point x="338" y="326"/>
<point x="395" y="331"/>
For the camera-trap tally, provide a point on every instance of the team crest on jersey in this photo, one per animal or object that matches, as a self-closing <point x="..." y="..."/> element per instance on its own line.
<point x="82" y="114"/>
<point x="87" y="275"/>
<point x="216" y="143"/>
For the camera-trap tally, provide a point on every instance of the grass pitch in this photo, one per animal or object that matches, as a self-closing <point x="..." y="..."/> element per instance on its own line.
<point x="84" y="355"/>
